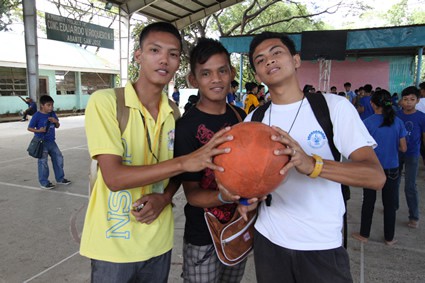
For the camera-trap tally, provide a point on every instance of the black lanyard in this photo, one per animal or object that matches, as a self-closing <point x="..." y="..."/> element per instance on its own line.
<point x="148" y="137"/>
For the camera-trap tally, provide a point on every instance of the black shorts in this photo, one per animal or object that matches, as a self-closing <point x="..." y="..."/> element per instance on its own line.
<point x="273" y="261"/>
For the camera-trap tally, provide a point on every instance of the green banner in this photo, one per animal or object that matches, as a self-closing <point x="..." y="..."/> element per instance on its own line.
<point x="70" y="30"/>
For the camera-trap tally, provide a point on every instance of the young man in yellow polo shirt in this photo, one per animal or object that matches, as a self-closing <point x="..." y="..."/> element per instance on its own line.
<point x="127" y="245"/>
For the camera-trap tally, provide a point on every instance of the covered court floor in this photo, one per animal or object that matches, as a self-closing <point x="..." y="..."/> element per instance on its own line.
<point x="40" y="230"/>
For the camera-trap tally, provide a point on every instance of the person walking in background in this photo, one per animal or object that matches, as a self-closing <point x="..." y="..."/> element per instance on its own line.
<point x="421" y="107"/>
<point x="364" y="107"/>
<point x="211" y="73"/>
<point x="390" y="134"/>
<point x="261" y="96"/>
<point x="251" y="100"/>
<point x="231" y="96"/>
<point x="43" y="125"/>
<point x="128" y="230"/>
<point x="176" y="96"/>
<point x="32" y="108"/>
<point x="351" y="95"/>
<point x="414" y="122"/>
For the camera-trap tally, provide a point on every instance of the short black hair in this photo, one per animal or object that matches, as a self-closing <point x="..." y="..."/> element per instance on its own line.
<point x="368" y="88"/>
<point x="422" y="85"/>
<point x="204" y="49"/>
<point x="45" y="99"/>
<point x="258" y="39"/>
<point x="249" y="86"/>
<point x="159" y="27"/>
<point x="411" y="90"/>
<point x="347" y="84"/>
<point x="234" y="83"/>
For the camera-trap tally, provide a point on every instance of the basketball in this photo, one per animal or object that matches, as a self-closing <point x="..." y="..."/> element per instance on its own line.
<point x="251" y="169"/>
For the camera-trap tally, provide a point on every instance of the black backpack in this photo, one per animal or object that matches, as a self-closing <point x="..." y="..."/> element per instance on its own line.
<point x="321" y="112"/>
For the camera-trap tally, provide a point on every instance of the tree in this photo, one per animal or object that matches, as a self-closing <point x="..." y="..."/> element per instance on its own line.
<point x="255" y="16"/>
<point x="8" y="13"/>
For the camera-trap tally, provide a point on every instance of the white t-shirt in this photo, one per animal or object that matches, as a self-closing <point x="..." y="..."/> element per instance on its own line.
<point x="306" y="213"/>
<point x="421" y="105"/>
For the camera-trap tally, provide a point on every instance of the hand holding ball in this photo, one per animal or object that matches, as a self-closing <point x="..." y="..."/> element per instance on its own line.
<point x="251" y="169"/>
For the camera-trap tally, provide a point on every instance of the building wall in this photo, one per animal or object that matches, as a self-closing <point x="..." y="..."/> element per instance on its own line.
<point x="76" y="101"/>
<point x="393" y="73"/>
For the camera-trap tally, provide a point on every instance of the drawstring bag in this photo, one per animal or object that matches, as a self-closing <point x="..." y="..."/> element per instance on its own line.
<point x="232" y="240"/>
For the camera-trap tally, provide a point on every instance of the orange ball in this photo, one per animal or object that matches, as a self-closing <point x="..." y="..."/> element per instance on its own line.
<point x="251" y="169"/>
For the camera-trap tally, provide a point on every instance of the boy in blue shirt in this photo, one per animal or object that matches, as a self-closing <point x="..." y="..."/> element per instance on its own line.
<point x="415" y="125"/>
<point x="43" y="125"/>
<point x="32" y="108"/>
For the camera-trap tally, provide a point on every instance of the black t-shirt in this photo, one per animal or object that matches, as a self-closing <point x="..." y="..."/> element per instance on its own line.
<point x="194" y="130"/>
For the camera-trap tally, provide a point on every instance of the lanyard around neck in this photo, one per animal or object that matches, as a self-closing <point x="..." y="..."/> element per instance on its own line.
<point x="157" y="140"/>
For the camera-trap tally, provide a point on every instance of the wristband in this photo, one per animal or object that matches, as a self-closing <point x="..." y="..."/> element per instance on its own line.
<point x="317" y="167"/>
<point x="222" y="200"/>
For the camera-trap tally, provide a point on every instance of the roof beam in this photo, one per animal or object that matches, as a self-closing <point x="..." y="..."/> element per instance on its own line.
<point x="188" y="20"/>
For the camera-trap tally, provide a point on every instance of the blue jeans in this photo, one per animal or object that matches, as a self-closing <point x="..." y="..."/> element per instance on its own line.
<point x="50" y="148"/>
<point x="389" y="200"/>
<point x="410" y="164"/>
<point x="152" y="270"/>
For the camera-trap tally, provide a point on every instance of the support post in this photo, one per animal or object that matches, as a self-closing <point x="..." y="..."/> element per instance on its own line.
<point x="31" y="48"/>
<point x="419" y="67"/>
<point x="124" y="31"/>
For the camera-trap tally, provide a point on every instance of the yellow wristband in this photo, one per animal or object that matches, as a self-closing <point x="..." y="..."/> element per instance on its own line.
<point x="317" y="167"/>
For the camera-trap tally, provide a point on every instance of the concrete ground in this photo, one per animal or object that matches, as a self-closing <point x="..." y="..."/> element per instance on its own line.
<point x="40" y="230"/>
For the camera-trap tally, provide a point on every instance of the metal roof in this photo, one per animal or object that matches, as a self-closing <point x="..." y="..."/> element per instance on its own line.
<point x="181" y="13"/>
<point x="401" y="40"/>
<point x="53" y="55"/>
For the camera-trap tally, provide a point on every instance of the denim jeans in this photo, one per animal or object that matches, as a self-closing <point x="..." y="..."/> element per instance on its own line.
<point x="410" y="164"/>
<point x="152" y="270"/>
<point x="50" y="148"/>
<point x="389" y="200"/>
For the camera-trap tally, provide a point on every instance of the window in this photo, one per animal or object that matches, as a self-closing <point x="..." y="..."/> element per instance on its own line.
<point x="13" y="81"/>
<point x="90" y="82"/>
<point x="65" y="82"/>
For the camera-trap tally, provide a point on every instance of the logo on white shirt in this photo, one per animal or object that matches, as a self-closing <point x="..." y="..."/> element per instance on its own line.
<point x="316" y="139"/>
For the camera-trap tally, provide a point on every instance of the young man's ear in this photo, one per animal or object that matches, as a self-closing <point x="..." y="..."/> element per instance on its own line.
<point x="297" y="61"/>
<point x="192" y="80"/>
<point x="137" y="56"/>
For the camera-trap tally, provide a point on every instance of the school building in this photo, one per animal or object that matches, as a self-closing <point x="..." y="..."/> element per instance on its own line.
<point x="67" y="72"/>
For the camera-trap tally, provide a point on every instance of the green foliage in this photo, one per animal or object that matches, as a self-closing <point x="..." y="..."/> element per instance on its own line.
<point x="397" y="15"/>
<point x="8" y="13"/>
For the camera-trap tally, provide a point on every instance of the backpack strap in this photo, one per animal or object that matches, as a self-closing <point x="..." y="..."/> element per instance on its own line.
<point x="236" y="112"/>
<point x="258" y="114"/>
<point x="123" y="112"/>
<point x="321" y="112"/>
<point x="176" y="110"/>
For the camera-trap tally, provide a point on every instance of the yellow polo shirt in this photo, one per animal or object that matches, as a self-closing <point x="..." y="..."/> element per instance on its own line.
<point x="251" y="102"/>
<point x="110" y="232"/>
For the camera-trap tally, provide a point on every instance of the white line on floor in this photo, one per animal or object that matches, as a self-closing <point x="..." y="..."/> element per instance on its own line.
<point x="51" y="267"/>
<point x="39" y="189"/>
